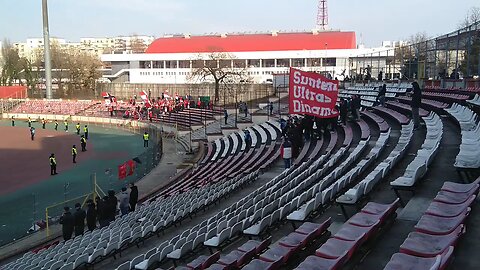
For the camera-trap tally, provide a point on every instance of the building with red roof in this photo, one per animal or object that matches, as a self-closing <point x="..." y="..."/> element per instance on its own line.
<point x="171" y="59"/>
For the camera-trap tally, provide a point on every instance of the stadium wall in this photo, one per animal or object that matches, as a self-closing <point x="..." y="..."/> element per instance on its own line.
<point x="245" y="92"/>
<point x="13" y="92"/>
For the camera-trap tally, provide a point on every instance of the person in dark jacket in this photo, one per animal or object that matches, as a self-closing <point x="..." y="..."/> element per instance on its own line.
<point x="133" y="198"/>
<point x="343" y="111"/>
<point x="79" y="217"/>
<point x="356" y="104"/>
<point x="111" y="205"/>
<point x="91" y="216"/>
<point x="68" y="223"/>
<point x="382" y="95"/>
<point x="416" y="102"/>
<point x="102" y="212"/>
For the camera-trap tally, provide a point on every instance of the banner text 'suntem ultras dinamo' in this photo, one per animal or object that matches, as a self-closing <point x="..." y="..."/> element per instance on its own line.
<point x="312" y="94"/>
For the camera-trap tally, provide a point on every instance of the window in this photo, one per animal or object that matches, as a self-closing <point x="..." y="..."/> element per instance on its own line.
<point x="238" y="63"/>
<point x="171" y="64"/>
<point x="253" y="63"/>
<point x="184" y="64"/>
<point x="329" y="62"/>
<point x="314" y="62"/>
<point x="283" y="62"/>
<point x="268" y="62"/>
<point x="225" y="63"/>
<point x="158" y="64"/>
<point x="298" y="62"/>
<point x="211" y="63"/>
<point x="197" y="64"/>
<point x="144" y="64"/>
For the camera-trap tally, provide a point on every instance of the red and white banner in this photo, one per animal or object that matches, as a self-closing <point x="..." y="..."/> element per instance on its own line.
<point x="312" y="94"/>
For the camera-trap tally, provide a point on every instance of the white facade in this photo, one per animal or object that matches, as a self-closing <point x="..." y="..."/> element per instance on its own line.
<point x="175" y="68"/>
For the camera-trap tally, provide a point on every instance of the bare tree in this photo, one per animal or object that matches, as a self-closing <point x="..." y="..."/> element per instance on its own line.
<point x="217" y="67"/>
<point x="9" y="65"/>
<point x="137" y="45"/>
<point x="473" y="16"/>
<point x="75" y="71"/>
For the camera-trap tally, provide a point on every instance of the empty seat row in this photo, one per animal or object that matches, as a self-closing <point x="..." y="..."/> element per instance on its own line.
<point x="418" y="167"/>
<point x="432" y="243"/>
<point x="363" y="188"/>
<point x="469" y="154"/>
<point x="352" y="235"/>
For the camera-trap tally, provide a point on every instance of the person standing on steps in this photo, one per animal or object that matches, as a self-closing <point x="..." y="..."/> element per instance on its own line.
<point x="68" y="223"/>
<point x="416" y="102"/>
<point x="146" y="137"/>
<point x="53" y="164"/>
<point x="91" y="215"/>
<point x="79" y="217"/>
<point x="382" y="95"/>
<point x="286" y="153"/>
<point x="83" y="143"/>
<point x="225" y="114"/>
<point x="77" y="127"/>
<point x="74" y="153"/>
<point x="85" y="131"/>
<point x="133" y="198"/>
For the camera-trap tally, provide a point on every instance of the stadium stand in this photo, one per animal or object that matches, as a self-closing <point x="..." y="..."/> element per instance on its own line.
<point x="342" y="167"/>
<point x="61" y="107"/>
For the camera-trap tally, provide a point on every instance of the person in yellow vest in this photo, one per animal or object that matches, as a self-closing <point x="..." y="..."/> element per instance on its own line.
<point x="146" y="137"/>
<point x="53" y="164"/>
<point x="77" y="127"/>
<point x="74" y="153"/>
<point x="83" y="143"/>
<point x="66" y="125"/>
<point x="44" y="122"/>
<point x="85" y="131"/>
<point x="29" y="122"/>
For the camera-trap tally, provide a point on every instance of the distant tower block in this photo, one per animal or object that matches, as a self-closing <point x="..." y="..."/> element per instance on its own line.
<point x="322" y="15"/>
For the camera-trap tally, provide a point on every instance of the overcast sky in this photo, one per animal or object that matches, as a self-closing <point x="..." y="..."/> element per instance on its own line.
<point x="373" y="21"/>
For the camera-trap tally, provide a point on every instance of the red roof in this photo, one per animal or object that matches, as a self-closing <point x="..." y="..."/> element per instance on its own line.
<point x="254" y="42"/>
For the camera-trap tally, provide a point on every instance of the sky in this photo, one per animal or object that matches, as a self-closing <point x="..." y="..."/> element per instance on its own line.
<point x="373" y="20"/>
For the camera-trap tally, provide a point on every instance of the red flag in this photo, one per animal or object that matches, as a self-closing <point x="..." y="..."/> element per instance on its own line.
<point x="312" y="94"/>
<point x="145" y="99"/>
<point x="131" y="166"/>
<point x="122" y="171"/>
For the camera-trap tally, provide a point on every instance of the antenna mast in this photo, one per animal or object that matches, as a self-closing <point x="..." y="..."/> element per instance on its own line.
<point x="322" y="15"/>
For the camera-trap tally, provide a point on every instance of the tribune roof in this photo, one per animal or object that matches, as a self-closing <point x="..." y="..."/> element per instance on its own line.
<point x="254" y="42"/>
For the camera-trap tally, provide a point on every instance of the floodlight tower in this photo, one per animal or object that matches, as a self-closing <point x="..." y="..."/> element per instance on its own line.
<point x="322" y="15"/>
<point x="46" y="51"/>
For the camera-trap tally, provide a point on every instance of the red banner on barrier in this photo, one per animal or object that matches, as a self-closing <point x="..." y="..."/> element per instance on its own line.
<point x="122" y="171"/>
<point x="312" y="94"/>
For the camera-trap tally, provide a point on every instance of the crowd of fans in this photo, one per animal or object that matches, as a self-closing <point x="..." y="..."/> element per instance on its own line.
<point x="153" y="108"/>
